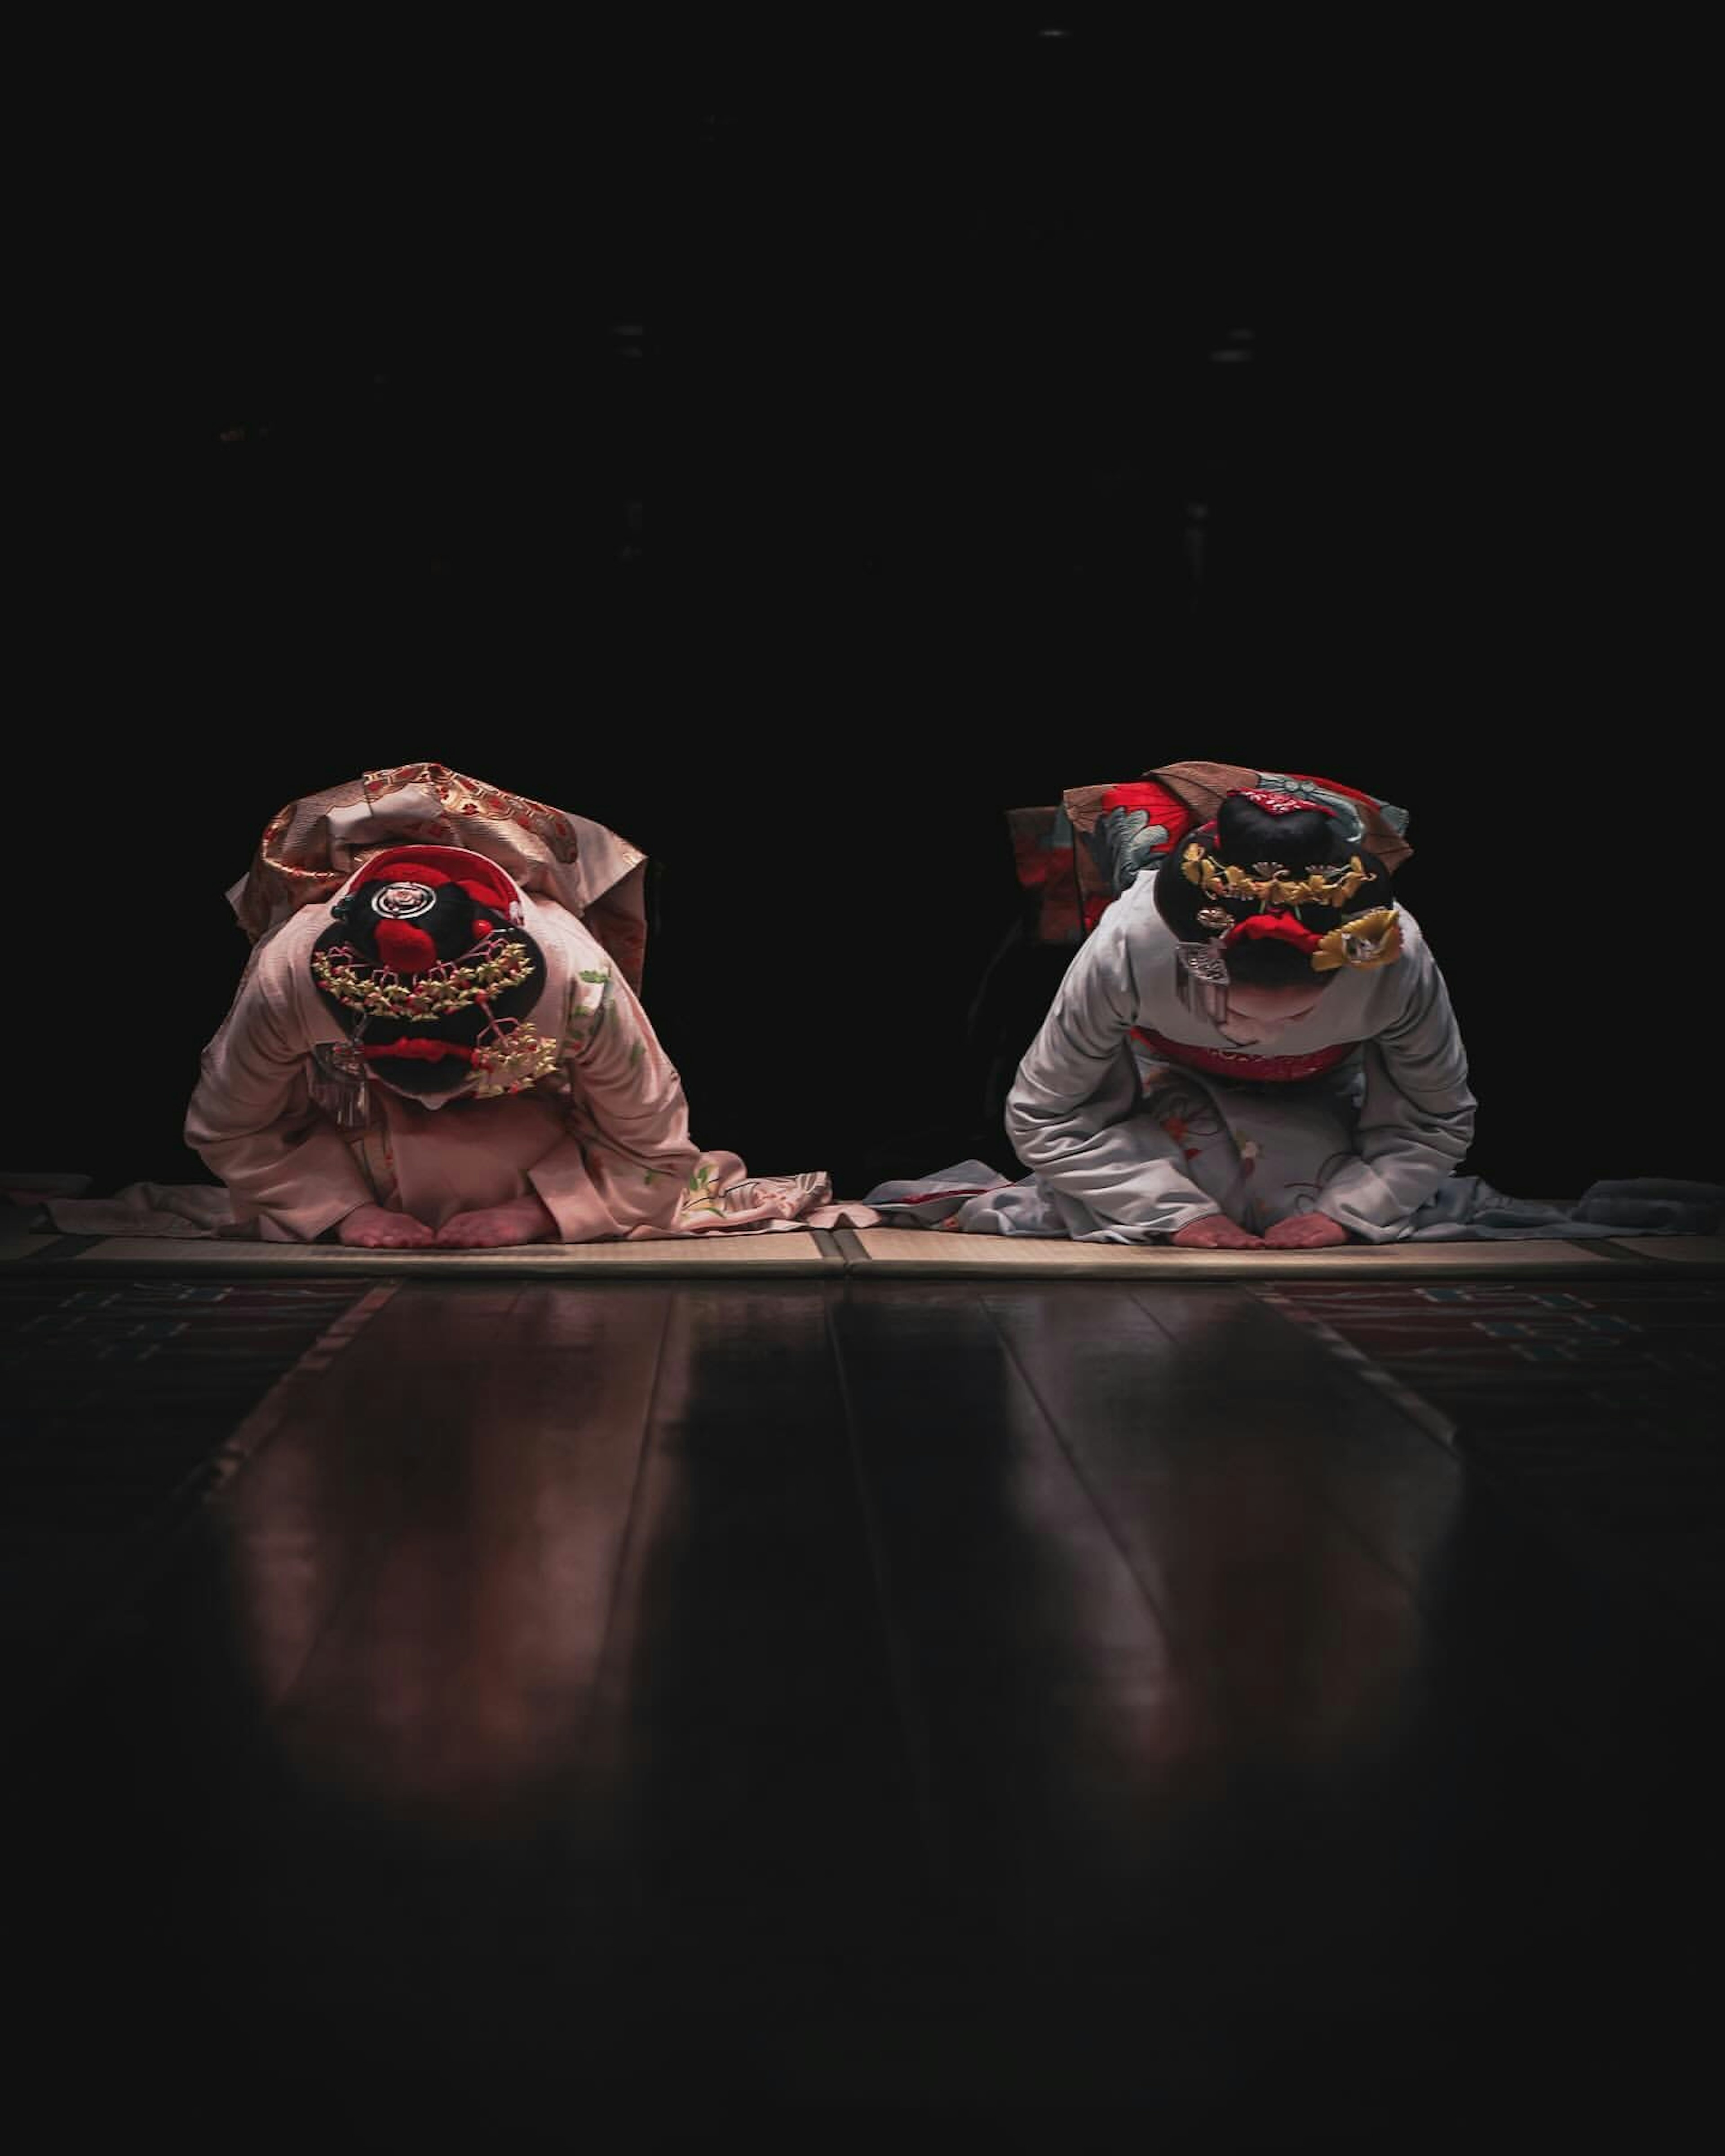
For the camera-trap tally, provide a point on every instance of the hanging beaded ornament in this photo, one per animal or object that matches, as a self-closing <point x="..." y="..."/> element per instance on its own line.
<point x="448" y="986"/>
<point x="509" y="1056"/>
<point x="338" y="1082"/>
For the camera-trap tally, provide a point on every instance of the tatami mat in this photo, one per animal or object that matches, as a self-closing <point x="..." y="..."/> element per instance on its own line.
<point x="1704" y="1251"/>
<point x="787" y="1254"/>
<point x="917" y="1251"/>
<point x="885" y="1252"/>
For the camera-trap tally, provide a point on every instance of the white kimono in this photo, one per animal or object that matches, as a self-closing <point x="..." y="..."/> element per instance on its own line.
<point x="1127" y="1145"/>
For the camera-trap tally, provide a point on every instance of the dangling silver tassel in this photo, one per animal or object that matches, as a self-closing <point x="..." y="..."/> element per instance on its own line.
<point x="1202" y="978"/>
<point x="338" y="1084"/>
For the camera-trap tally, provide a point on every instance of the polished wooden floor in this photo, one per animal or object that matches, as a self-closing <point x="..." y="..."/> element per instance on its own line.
<point x="949" y="1715"/>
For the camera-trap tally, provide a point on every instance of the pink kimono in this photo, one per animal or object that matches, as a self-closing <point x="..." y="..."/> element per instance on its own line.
<point x="603" y="1140"/>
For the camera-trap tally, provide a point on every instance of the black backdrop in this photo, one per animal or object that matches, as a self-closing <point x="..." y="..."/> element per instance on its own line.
<point x="797" y="468"/>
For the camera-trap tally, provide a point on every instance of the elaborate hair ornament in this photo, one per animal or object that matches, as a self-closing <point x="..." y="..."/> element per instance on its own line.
<point x="1271" y="884"/>
<point x="447" y="987"/>
<point x="1205" y="963"/>
<point x="403" y="901"/>
<point x="1201" y="979"/>
<point x="511" y="1056"/>
<point x="1370" y="939"/>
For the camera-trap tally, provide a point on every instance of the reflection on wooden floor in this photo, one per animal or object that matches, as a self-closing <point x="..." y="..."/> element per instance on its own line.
<point x="964" y="1710"/>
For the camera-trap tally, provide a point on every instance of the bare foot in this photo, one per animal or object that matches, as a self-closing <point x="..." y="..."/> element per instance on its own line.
<point x="1214" y="1232"/>
<point x="494" y="1227"/>
<point x="375" y="1228"/>
<point x="1305" y="1231"/>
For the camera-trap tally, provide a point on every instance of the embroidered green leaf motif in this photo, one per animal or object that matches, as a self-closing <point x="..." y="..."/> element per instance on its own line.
<point x="599" y="973"/>
<point x="703" y="1192"/>
<point x="636" y="1053"/>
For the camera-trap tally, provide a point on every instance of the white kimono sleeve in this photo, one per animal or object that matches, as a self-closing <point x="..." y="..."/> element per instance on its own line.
<point x="1072" y="1113"/>
<point x="1416" y="1120"/>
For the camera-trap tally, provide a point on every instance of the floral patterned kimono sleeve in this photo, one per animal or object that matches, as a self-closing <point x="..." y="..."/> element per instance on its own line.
<point x="628" y="1157"/>
<point x="253" y="1121"/>
<point x="1072" y="1113"/>
<point x="1416" y="1120"/>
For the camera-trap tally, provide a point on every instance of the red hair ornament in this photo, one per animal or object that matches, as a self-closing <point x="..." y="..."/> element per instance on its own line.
<point x="1273" y="928"/>
<point x="482" y="880"/>
<point x="403" y="948"/>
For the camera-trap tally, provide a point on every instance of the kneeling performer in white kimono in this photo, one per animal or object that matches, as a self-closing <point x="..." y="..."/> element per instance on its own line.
<point x="1253" y="1049"/>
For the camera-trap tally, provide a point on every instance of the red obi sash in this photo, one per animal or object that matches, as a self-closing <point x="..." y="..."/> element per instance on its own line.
<point x="1237" y="1063"/>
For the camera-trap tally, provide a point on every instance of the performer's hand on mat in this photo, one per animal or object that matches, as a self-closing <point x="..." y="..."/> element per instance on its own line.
<point x="526" y="1219"/>
<point x="1214" y="1232"/>
<point x="375" y="1228"/>
<point x="1305" y="1231"/>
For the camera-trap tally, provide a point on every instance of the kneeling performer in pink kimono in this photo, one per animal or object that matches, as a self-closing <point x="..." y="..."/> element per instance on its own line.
<point x="424" y="1052"/>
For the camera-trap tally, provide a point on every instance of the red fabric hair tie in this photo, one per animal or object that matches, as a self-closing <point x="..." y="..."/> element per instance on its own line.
<point x="1274" y="929"/>
<point x="403" y="948"/>
<point x="410" y="1049"/>
<point x="482" y="880"/>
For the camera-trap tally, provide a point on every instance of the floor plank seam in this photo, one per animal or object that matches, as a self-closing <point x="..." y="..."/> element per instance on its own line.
<point x="255" y="1431"/>
<point x="280" y="1708"/>
<point x="1522" y="1693"/>
<point x="908" y="1701"/>
<point x="1513" y="1500"/>
<point x="158" y="1544"/>
<point x="602" y="1663"/>
<point x="271" y="1710"/>
<point x="1158" y="1614"/>
<point x="1612" y="1247"/>
<point x="54" y="1252"/>
<point x="1428" y="1419"/>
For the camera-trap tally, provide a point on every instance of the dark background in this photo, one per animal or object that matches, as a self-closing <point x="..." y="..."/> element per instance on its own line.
<point x="796" y="453"/>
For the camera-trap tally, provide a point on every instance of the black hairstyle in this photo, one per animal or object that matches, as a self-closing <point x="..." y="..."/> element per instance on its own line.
<point x="1243" y="834"/>
<point x="455" y="923"/>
